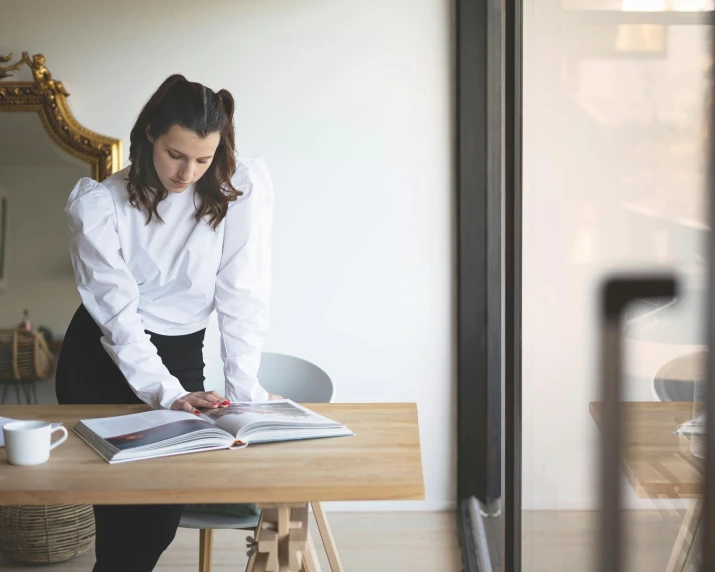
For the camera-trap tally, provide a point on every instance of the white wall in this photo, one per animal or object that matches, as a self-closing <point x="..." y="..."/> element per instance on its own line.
<point x="602" y="130"/>
<point x="350" y="103"/>
<point x="39" y="271"/>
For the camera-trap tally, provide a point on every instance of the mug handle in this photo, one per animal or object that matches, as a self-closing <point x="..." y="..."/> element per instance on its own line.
<point x="62" y="440"/>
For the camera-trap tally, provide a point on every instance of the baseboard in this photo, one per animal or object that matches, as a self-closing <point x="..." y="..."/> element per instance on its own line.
<point x="591" y="506"/>
<point x="389" y="506"/>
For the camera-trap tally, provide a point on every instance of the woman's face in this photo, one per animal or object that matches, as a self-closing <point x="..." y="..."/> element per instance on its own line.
<point x="181" y="157"/>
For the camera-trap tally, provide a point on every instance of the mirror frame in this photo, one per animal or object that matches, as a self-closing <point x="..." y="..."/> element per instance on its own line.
<point x="48" y="98"/>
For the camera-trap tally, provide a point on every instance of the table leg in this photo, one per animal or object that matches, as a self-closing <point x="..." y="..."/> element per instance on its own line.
<point x="283" y="543"/>
<point x="686" y="538"/>
<point x="327" y="537"/>
<point x="205" y="549"/>
<point x="671" y="511"/>
<point x="281" y="538"/>
<point x="693" y="562"/>
<point x="310" y="557"/>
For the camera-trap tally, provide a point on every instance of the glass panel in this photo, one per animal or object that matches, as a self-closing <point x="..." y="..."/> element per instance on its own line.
<point x="36" y="177"/>
<point x="615" y="135"/>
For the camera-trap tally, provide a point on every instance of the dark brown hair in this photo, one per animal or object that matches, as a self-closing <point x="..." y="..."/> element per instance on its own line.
<point x="195" y="107"/>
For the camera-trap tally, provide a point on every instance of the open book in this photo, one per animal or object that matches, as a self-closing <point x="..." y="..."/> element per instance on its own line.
<point x="162" y="433"/>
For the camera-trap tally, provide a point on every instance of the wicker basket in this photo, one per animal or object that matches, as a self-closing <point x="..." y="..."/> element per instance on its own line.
<point x="24" y="356"/>
<point x="46" y="534"/>
<point x="38" y="534"/>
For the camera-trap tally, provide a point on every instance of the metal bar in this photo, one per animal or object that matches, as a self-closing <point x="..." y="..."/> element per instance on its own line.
<point x="616" y="294"/>
<point x="480" y="257"/>
<point x="472" y="291"/>
<point x="511" y="412"/>
<point x="494" y="208"/>
<point x="708" y="509"/>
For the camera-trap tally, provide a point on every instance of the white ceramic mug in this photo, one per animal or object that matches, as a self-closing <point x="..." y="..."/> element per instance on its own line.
<point x="30" y="442"/>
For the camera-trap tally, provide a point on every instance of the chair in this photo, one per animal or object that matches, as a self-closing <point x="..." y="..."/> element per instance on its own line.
<point x="667" y="325"/>
<point x="24" y="359"/>
<point x="295" y="379"/>
<point x="677" y="379"/>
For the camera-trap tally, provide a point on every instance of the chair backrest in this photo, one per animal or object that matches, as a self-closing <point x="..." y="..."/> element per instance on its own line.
<point x="294" y="378"/>
<point x="676" y="380"/>
<point x="24" y="356"/>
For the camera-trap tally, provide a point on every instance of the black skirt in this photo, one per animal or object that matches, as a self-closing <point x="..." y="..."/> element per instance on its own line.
<point x="87" y="375"/>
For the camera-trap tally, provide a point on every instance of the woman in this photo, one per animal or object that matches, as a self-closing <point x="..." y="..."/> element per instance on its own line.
<point x="156" y="247"/>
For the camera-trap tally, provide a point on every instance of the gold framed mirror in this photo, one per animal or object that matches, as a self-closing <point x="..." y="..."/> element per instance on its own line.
<point x="48" y="98"/>
<point x="44" y="151"/>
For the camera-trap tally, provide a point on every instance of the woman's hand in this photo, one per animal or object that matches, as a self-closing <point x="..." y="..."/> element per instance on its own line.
<point x="273" y="396"/>
<point x="205" y="399"/>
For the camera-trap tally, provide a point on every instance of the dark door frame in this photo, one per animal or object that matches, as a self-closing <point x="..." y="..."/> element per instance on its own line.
<point x="488" y="46"/>
<point x="489" y="234"/>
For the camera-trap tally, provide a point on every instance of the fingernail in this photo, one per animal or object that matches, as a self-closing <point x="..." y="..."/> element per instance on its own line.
<point x="197" y="412"/>
<point x="225" y="402"/>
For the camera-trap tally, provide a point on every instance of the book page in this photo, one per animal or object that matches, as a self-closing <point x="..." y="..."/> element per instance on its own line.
<point x="240" y="414"/>
<point x="140" y="429"/>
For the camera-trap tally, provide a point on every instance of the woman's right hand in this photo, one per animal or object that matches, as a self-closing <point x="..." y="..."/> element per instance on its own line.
<point x="205" y="399"/>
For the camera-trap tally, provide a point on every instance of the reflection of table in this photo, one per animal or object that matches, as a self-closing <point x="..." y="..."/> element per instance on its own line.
<point x="381" y="462"/>
<point x="658" y="464"/>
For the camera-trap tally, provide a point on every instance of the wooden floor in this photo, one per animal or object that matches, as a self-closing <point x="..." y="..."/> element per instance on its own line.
<point x="372" y="542"/>
<point x="555" y="541"/>
<point x="427" y="542"/>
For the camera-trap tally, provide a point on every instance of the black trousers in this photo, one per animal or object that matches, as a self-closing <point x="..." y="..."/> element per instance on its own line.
<point x="129" y="537"/>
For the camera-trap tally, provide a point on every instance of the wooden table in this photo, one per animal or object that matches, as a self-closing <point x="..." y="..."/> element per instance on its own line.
<point x="381" y="462"/>
<point x="659" y="465"/>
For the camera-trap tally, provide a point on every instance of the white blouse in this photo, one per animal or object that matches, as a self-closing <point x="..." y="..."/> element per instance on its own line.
<point x="168" y="277"/>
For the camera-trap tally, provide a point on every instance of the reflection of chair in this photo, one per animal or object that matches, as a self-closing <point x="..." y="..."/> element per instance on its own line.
<point x="665" y="335"/>
<point x="676" y="380"/>
<point x="24" y="359"/>
<point x="295" y="379"/>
